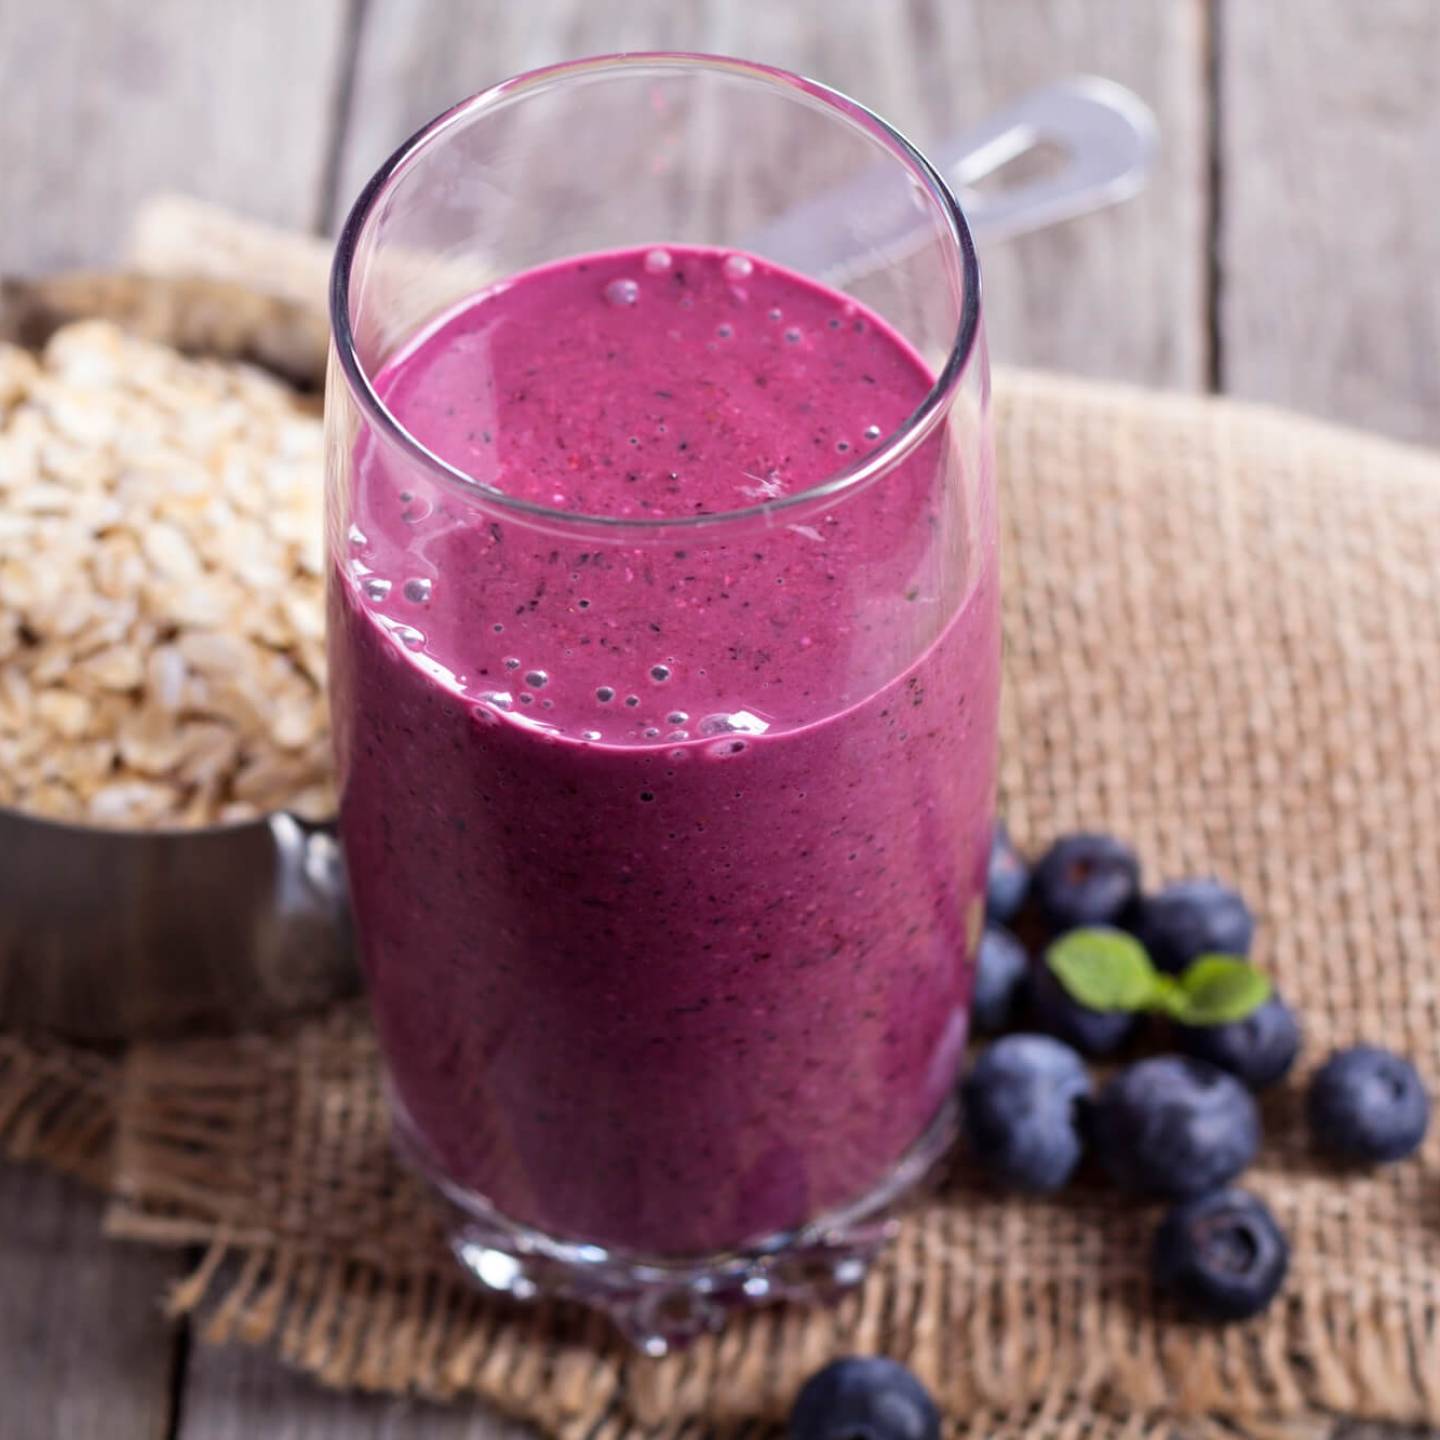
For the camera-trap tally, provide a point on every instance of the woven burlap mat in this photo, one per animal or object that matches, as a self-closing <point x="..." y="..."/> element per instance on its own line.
<point x="1223" y="641"/>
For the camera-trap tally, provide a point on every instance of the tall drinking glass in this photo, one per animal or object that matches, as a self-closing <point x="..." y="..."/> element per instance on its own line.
<point x="664" y="639"/>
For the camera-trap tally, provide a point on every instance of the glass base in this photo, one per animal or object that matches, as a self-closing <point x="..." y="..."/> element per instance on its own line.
<point x="662" y="1303"/>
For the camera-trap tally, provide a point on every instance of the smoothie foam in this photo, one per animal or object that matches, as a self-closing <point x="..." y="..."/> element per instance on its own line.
<point x="667" y="853"/>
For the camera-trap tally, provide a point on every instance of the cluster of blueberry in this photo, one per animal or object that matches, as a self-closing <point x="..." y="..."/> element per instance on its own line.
<point x="1178" y="1126"/>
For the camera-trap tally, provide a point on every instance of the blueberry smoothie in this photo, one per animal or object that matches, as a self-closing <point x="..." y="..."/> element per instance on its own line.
<point x="667" y="846"/>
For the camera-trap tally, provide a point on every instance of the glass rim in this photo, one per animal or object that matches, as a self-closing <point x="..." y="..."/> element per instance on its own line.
<point x="892" y="450"/>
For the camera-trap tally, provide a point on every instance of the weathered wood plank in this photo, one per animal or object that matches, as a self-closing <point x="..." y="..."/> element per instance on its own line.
<point x="238" y="1394"/>
<point x="1329" y="229"/>
<point x="1117" y="294"/>
<point x="106" y="101"/>
<point x="85" y="1351"/>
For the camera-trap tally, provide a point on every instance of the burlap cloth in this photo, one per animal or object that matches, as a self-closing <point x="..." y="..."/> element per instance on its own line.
<point x="1223" y="641"/>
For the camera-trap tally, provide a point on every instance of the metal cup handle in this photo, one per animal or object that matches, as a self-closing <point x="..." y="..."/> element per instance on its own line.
<point x="311" y="911"/>
<point x="311" y="870"/>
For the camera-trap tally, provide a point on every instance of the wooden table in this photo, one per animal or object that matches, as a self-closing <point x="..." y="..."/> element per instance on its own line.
<point x="1287" y="250"/>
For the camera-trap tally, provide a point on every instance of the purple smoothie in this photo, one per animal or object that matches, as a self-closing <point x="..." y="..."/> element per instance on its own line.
<point x="667" y="853"/>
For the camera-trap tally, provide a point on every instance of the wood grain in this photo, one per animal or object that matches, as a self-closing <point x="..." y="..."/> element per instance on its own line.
<point x="85" y="1351"/>
<point x="238" y="1394"/>
<point x="105" y="101"/>
<point x="1118" y="294"/>
<point x="1329" y="239"/>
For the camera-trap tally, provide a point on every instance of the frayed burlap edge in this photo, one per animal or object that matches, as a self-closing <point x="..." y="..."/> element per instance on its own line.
<point x="355" y="1325"/>
<point x="354" y="1322"/>
<point x="57" y="1107"/>
<point x="381" y="1314"/>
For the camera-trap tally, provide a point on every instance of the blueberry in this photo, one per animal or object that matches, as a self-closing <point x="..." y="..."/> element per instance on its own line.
<point x="1086" y="880"/>
<point x="1367" y="1104"/>
<point x="1222" y="1255"/>
<point x="1192" y="918"/>
<point x="1022" y="1103"/>
<point x="999" y="972"/>
<point x="1008" y="881"/>
<point x="1051" y="1008"/>
<point x="1175" y="1126"/>
<point x="864" y="1397"/>
<point x="1259" y="1050"/>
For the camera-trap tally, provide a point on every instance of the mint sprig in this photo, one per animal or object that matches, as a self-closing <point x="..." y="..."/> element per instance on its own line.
<point x="1217" y="989"/>
<point x="1110" y="970"/>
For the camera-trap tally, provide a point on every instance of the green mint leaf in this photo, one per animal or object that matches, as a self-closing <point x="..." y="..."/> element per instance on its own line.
<point x="1217" y="989"/>
<point x="1168" y="997"/>
<point x="1104" y="969"/>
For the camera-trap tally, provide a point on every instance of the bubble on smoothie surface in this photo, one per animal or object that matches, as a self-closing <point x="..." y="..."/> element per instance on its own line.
<point x="872" y="432"/>
<point x="659" y="673"/>
<point x="724" y="331"/>
<point x="417" y="591"/>
<point x="500" y="699"/>
<point x="375" y="588"/>
<point x="725" y="749"/>
<point x="605" y="694"/>
<point x="774" y="312"/>
<point x="536" y="679"/>
<point x="622" y="292"/>
<point x="739" y="267"/>
<point x="512" y="662"/>
<point x="792" y="336"/>
<point x="409" y="636"/>
<point x="632" y="701"/>
<point x="676" y="717"/>
<point x="356" y="536"/>
<point x="657" y="262"/>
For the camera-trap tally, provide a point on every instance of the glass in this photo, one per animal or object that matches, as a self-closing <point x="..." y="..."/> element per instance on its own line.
<point x="666" y="814"/>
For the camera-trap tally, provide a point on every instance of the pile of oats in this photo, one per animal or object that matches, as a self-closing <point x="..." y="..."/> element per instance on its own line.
<point x="161" y="593"/>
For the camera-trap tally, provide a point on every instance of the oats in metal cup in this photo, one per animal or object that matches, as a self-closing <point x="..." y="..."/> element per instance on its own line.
<point x="161" y="604"/>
